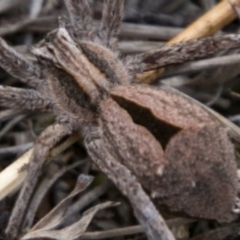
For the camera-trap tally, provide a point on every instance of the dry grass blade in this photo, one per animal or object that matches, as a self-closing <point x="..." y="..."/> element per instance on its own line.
<point x="73" y="231"/>
<point x="42" y="190"/>
<point x="56" y="216"/>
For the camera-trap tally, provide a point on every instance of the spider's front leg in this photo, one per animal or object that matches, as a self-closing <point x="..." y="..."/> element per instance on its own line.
<point x="44" y="143"/>
<point x="24" y="99"/>
<point x="111" y="23"/>
<point x="16" y="65"/>
<point x="147" y="214"/>
<point x="81" y="19"/>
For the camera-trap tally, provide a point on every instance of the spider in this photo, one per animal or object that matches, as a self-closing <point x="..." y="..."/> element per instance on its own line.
<point x="80" y="77"/>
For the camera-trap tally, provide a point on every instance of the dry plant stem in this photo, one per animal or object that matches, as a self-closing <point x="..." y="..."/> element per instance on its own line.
<point x="152" y="222"/>
<point x="119" y="232"/>
<point x="11" y="124"/>
<point x="40" y="153"/>
<point x="215" y="19"/>
<point x="208" y="24"/>
<point x="128" y="30"/>
<point x="15" y="150"/>
<point x="8" y="114"/>
<point x="202" y="65"/>
<point x="140" y="31"/>
<point x="12" y="177"/>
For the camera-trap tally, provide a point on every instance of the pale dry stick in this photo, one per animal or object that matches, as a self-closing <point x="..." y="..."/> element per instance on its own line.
<point x="12" y="177"/>
<point x="215" y="19"/>
<point x="119" y="232"/>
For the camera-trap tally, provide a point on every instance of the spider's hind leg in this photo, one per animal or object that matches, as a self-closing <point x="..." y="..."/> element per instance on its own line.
<point x="81" y="18"/>
<point x="110" y="23"/>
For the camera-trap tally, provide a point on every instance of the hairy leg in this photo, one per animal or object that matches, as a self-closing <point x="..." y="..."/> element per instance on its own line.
<point x="47" y="140"/>
<point x="19" y="67"/>
<point x="111" y="23"/>
<point x="24" y="99"/>
<point x="180" y="53"/>
<point x="81" y="18"/>
<point x="144" y="209"/>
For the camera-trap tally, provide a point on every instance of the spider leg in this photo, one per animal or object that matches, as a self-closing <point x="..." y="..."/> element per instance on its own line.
<point x="147" y="214"/>
<point x="111" y="23"/>
<point x="47" y="140"/>
<point x="24" y="99"/>
<point x="81" y="18"/>
<point x="180" y="53"/>
<point x="19" y="67"/>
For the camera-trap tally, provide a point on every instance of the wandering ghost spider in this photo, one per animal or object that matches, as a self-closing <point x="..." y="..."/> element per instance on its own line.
<point x="136" y="134"/>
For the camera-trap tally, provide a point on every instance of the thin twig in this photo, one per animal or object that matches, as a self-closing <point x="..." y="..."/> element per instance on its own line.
<point x="15" y="149"/>
<point x="202" y="65"/>
<point x="131" y="230"/>
<point x="11" y="124"/>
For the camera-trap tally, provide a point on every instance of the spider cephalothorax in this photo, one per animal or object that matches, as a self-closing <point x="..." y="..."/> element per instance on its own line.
<point x="135" y="133"/>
